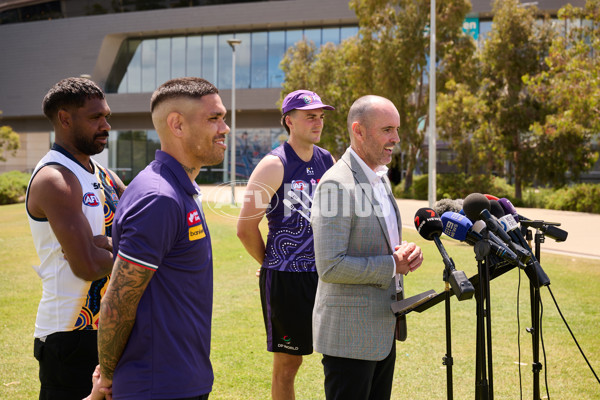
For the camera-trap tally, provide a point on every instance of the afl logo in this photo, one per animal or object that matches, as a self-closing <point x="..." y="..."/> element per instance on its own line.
<point x="90" y="199"/>
<point x="299" y="185"/>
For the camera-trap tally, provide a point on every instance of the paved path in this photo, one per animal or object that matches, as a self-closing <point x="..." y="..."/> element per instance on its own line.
<point x="583" y="228"/>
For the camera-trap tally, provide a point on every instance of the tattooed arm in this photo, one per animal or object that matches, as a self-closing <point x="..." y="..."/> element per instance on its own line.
<point x="117" y="314"/>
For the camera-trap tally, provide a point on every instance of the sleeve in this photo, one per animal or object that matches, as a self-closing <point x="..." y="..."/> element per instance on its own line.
<point x="149" y="231"/>
<point x="334" y="228"/>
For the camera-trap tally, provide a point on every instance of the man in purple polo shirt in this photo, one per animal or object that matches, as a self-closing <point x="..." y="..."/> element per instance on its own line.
<point x="155" y="319"/>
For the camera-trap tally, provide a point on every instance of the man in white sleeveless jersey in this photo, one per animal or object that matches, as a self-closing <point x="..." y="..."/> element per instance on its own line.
<point x="70" y="203"/>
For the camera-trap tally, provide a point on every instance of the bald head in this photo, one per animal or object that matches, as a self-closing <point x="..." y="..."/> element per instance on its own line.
<point x="362" y="110"/>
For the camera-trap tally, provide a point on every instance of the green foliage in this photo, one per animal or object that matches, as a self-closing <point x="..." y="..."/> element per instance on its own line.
<point x="583" y="198"/>
<point x="13" y="186"/>
<point x="9" y="141"/>
<point x="386" y="58"/>
<point x="569" y="87"/>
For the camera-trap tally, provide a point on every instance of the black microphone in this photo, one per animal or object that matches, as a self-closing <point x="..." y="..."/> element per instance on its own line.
<point x="548" y="228"/>
<point x="459" y="227"/>
<point x="477" y="206"/>
<point x="430" y="227"/>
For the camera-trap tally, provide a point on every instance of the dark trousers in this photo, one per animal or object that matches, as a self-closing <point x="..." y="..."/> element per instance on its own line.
<point x="67" y="361"/>
<point x="203" y="397"/>
<point x="350" y="379"/>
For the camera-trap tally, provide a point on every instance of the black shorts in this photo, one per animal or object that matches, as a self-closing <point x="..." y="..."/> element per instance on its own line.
<point x="287" y="301"/>
<point x="67" y="361"/>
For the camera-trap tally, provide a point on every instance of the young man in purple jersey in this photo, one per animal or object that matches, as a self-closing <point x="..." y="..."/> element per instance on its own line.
<point x="282" y="186"/>
<point x="155" y="319"/>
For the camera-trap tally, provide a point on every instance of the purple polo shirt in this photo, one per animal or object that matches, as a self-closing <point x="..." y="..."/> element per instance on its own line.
<point x="159" y="225"/>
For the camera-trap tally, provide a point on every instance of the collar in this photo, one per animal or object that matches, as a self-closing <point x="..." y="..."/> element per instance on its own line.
<point x="177" y="170"/>
<point x="373" y="176"/>
<point x="64" y="152"/>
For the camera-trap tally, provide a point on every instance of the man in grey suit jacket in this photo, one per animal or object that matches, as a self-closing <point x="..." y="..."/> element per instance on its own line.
<point x="360" y="258"/>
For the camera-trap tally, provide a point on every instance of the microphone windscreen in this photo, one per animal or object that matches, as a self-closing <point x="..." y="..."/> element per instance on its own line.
<point x="428" y="223"/>
<point x="444" y="205"/>
<point x="456" y="226"/>
<point x="490" y="197"/>
<point x="496" y="209"/>
<point x="509" y="208"/>
<point x="478" y="226"/>
<point x="474" y="204"/>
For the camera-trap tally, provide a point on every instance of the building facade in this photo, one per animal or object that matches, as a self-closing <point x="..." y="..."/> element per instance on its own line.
<point x="131" y="47"/>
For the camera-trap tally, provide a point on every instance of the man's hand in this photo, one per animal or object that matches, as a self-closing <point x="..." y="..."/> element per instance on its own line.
<point x="99" y="391"/>
<point x="408" y="257"/>
<point x="104" y="242"/>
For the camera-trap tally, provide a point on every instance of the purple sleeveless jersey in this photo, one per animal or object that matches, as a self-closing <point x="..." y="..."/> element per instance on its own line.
<point x="290" y="240"/>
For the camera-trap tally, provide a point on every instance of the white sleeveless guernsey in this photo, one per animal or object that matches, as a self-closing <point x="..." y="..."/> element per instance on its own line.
<point x="65" y="303"/>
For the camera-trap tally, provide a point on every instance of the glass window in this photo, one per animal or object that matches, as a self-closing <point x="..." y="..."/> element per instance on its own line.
<point x="313" y="35"/>
<point x="163" y="60"/>
<point x="177" y="57"/>
<point x="331" y="35"/>
<point x="209" y="58"/>
<point x="292" y="37"/>
<point x="348" y="31"/>
<point x="276" y="53"/>
<point x="194" y="56"/>
<point x="224" y="62"/>
<point x="258" y="55"/>
<point x="134" y="72"/>
<point x="242" y="61"/>
<point x="148" y="65"/>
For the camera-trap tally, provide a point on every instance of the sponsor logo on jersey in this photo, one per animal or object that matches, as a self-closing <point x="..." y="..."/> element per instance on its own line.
<point x="193" y="218"/>
<point x="96" y="185"/>
<point x="299" y="185"/>
<point x="91" y="200"/>
<point x="196" y="232"/>
<point x="310" y="171"/>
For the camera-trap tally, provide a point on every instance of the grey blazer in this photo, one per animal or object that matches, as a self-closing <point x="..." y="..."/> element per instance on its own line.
<point x="352" y="317"/>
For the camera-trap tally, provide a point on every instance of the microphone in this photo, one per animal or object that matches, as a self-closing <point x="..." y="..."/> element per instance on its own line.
<point x="460" y="228"/>
<point x="550" y="229"/>
<point x="444" y="205"/>
<point x="477" y="206"/>
<point x="430" y="227"/>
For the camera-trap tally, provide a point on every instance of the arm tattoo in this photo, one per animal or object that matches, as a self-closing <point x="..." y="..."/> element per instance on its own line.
<point x="117" y="312"/>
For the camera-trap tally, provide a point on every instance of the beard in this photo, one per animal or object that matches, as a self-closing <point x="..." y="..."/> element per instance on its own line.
<point x="89" y="146"/>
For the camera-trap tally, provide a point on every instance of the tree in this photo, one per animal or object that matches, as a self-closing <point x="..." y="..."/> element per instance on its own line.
<point x="386" y="58"/>
<point x="9" y="141"/>
<point x="516" y="47"/>
<point x="570" y="88"/>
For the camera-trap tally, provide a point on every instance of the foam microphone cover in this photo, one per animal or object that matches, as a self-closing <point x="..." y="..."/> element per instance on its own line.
<point x="445" y="205"/>
<point x="456" y="226"/>
<point x="428" y="223"/>
<point x="474" y="204"/>
<point x="496" y="209"/>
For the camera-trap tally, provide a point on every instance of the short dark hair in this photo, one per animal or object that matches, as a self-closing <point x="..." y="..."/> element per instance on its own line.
<point x="70" y="92"/>
<point x="287" y="128"/>
<point x="190" y="87"/>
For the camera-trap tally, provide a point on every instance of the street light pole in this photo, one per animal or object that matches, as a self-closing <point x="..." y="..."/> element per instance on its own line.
<point x="233" y="43"/>
<point x="432" y="140"/>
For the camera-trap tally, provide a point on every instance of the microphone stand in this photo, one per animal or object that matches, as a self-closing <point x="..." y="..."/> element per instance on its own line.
<point x="535" y="299"/>
<point x="483" y="379"/>
<point x="447" y="360"/>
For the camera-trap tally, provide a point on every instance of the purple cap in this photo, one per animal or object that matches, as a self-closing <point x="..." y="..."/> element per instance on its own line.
<point x="303" y="100"/>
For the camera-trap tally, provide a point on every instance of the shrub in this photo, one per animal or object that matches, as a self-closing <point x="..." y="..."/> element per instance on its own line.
<point x="582" y="197"/>
<point x="13" y="186"/>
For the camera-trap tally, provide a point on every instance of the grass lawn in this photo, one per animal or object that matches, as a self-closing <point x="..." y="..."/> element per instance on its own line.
<point x="243" y="367"/>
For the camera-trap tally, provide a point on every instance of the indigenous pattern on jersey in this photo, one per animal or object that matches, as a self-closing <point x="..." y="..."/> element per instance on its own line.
<point x="90" y="311"/>
<point x="290" y="240"/>
<point x="68" y="302"/>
